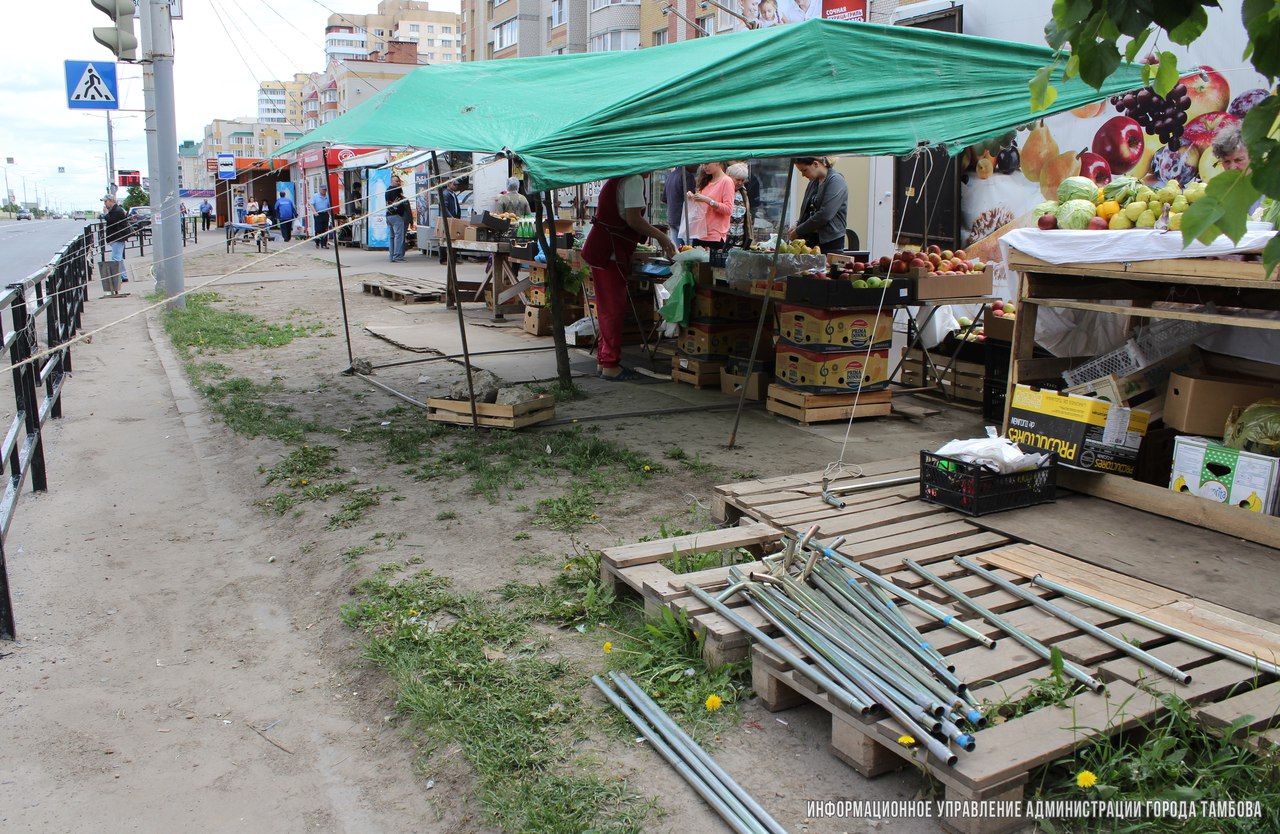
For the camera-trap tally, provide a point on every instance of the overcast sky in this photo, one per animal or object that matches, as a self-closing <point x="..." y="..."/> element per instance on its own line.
<point x="214" y="79"/>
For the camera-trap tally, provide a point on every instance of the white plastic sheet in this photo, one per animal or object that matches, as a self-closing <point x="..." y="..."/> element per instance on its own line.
<point x="999" y="454"/>
<point x="1061" y="246"/>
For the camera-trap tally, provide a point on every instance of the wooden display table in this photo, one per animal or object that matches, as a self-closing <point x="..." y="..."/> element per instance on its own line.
<point x="499" y="278"/>
<point x="1178" y="286"/>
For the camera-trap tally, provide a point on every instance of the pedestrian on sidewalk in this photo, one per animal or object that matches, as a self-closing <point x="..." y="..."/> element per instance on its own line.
<point x="617" y="228"/>
<point x="240" y="208"/>
<point x="285" y="213"/>
<point x="320" y="211"/>
<point x="397" y="219"/>
<point x="452" y="208"/>
<point x="512" y="201"/>
<point x="206" y="214"/>
<point x="117" y="232"/>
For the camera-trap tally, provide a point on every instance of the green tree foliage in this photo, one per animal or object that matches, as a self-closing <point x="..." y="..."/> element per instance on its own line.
<point x="136" y="197"/>
<point x="1089" y="36"/>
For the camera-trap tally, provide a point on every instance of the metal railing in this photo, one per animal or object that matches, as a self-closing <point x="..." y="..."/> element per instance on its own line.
<point x="55" y="293"/>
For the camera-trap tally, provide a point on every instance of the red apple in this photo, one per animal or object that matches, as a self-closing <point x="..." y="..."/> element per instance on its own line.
<point x="1208" y="90"/>
<point x="997" y="312"/>
<point x="947" y="254"/>
<point x="920" y="262"/>
<point x="935" y="258"/>
<point x="935" y="249"/>
<point x="885" y="262"/>
<point x="899" y="267"/>
<point x="961" y="255"/>
<point x="1098" y="224"/>
<point x="1120" y="142"/>
<point x="998" y="304"/>
<point x="1094" y="167"/>
<point x="859" y="266"/>
<point x="1047" y="221"/>
<point x="1201" y="130"/>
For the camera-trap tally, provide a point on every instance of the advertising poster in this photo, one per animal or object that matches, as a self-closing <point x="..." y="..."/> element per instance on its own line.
<point x="377" y="236"/>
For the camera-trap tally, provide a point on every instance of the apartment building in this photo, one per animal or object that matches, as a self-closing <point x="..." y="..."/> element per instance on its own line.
<point x="357" y="37"/>
<point x="344" y="84"/>
<point x="280" y="102"/>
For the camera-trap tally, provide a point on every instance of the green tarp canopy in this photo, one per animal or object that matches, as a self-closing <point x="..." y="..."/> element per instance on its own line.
<point x="820" y="87"/>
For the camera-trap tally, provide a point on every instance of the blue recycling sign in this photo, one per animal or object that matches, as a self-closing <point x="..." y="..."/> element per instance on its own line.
<point x="91" y="85"/>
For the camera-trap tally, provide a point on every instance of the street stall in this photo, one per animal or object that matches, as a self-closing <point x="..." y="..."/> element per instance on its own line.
<point x="618" y="119"/>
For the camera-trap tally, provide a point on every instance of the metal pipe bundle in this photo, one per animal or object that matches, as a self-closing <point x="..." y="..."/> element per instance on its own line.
<point x="737" y="807"/>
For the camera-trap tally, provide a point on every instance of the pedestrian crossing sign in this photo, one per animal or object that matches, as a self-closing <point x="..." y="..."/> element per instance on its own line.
<point x="91" y="85"/>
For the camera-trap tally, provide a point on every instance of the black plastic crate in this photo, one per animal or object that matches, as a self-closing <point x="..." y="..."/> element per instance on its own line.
<point x="994" y="394"/>
<point x="975" y="490"/>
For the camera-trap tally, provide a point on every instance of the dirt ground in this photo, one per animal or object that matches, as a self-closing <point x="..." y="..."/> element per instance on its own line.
<point x="181" y="662"/>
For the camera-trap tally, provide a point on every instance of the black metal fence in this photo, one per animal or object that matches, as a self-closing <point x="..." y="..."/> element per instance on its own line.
<point x="41" y="312"/>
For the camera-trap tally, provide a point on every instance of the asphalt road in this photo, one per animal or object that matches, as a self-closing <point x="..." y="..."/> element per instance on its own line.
<point x="27" y="245"/>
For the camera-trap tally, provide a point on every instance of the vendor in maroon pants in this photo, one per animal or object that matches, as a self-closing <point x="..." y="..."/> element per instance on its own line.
<point x="618" y="227"/>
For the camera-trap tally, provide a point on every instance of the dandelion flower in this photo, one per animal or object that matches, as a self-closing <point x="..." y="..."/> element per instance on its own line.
<point x="413" y="612"/>
<point x="608" y="647"/>
<point x="713" y="702"/>
<point x="305" y="482"/>
<point x="1086" y="779"/>
<point x="906" y="741"/>
<point x="648" y="468"/>
<point x="568" y="566"/>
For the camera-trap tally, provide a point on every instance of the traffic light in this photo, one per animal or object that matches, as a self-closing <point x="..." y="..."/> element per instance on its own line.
<point x="119" y="38"/>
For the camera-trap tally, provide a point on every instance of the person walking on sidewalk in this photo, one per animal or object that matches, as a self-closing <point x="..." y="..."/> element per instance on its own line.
<point x="285" y="212"/>
<point x="618" y="227"/>
<point x="320" y="211"/>
<point x="452" y="208"/>
<point x="240" y="208"/>
<point x="117" y="232"/>
<point x="206" y="214"/>
<point x="397" y="220"/>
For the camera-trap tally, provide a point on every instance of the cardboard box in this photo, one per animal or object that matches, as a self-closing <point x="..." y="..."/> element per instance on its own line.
<point x="471" y="233"/>
<point x="715" y="341"/>
<point x="834" y="330"/>
<point x="823" y="292"/>
<point x="1217" y="473"/>
<point x="831" y="373"/>
<point x="457" y="228"/>
<point x="711" y="305"/>
<point x="756" y="385"/>
<point x="998" y="327"/>
<point x="1086" y="433"/>
<point x="953" y="286"/>
<point x="1198" y="403"/>
<point x="537" y="321"/>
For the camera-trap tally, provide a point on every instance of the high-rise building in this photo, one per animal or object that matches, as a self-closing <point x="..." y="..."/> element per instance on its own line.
<point x="280" y="102"/>
<point x="357" y="37"/>
<point x="344" y="84"/>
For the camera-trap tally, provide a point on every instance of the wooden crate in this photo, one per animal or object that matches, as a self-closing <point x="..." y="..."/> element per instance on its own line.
<point x="537" y="321"/>
<point x="700" y="373"/>
<point x="962" y="382"/>
<point x="821" y="408"/>
<point x="492" y="415"/>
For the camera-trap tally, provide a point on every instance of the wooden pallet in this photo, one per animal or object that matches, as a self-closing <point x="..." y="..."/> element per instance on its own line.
<point x="404" y="290"/>
<point x="700" y="373"/>
<point x="821" y="408"/>
<point x="962" y="382"/>
<point x="1221" y="691"/>
<point x="492" y="415"/>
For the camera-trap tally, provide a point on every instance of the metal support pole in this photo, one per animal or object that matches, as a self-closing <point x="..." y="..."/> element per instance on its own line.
<point x="764" y="304"/>
<point x="337" y="260"/>
<point x="457" y="300"/>
<point x="167" y="214"/>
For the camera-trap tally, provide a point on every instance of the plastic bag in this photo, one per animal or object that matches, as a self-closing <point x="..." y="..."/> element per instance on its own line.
<point x="749" y="266"/>
<point x="680" y="290"/>
<point x="999" y="454"/>
<point x="1255" y="428"/>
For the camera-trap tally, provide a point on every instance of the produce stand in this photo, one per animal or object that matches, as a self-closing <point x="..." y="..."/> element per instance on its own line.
<point x="257" y="233"/>
<point x="499" y="251"/>
<point x="1184" y="282"/>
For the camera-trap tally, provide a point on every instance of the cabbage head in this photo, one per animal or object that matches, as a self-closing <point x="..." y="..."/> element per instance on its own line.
<point x="1076" y="214"/>
<point x="1078" y="188"/>
<point x="1047" y="207"/>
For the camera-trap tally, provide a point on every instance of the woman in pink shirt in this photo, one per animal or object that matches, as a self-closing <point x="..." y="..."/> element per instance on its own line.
<point x="711" y="206"/>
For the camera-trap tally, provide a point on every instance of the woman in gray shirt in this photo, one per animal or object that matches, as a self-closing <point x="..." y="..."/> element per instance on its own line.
<point x="824" y="210"/>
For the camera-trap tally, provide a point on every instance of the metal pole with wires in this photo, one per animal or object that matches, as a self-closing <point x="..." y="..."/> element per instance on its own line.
<point x="337" y="260"/>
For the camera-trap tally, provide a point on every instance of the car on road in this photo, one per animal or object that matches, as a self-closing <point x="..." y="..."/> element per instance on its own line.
<point x="23" y="214"/>
<point x="140" y="216"/>
<point x="79" y="215"/>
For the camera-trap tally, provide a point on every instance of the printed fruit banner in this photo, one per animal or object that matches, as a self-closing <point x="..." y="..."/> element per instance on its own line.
<point x="1140" y="135"/>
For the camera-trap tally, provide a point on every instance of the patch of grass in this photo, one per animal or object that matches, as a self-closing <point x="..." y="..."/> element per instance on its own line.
<point x="1050" y="691"/>
<point x="564" y="392"/>
<point x="355" y="509"/>
<point x="1171" y="756"/>
<point x="744" y="475"/>
<point x="204" y="328"/>
<point x="576" y="596"/>
<point x="405" y="435"/>
<point x="304" y="464"/>
<point x="472" y="675"/>
<point x="446" y="515"/>
<point x="521" y="536"/>
<point x="694" y="562"/>
<point x="352" y="553"/>
<point x="281" y="503"/>
<point x="242" y="405"/>
<point x="568" y="513"/>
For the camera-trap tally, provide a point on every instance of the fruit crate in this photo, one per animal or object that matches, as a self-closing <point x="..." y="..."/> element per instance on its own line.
<point x="1160" y="340"/>
<point x="975" y="490"/>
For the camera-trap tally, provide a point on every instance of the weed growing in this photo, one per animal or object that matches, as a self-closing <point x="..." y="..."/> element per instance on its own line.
<point x="470" y="674"/>
<point x="203" y="328"/>
<point x="568" y="513"/>
<point x="355" y="509"/>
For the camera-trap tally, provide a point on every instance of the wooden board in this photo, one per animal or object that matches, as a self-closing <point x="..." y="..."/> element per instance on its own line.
<point x="1189" y="270"/>
<point x="492" y="415"/>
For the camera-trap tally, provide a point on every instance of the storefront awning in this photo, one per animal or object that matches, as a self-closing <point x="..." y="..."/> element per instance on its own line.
<point x="821" y="87"/>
